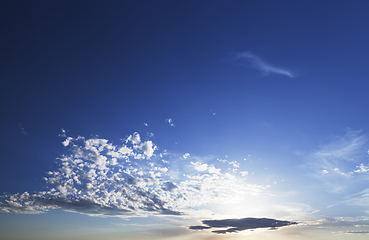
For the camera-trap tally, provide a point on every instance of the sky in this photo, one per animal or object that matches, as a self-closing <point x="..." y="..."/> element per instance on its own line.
<point x="210" y="120"/>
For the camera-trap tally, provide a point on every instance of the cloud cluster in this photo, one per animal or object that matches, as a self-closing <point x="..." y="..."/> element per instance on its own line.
<point x="260" y="65"/>
<point x="100" y="178"/>
<point x="236" y="225"/>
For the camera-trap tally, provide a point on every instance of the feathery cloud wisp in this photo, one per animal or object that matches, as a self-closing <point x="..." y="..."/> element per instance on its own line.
<point x="262" y="66"/>
<point x="340" y="161"/>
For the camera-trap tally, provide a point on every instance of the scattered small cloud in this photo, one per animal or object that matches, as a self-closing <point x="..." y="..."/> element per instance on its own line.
<point x="237" y="225"/>
<point x="186" y="155"/>
<point x="23" y="131"/>
<point x="146" y="124"/>
<point x="63" y="133"/>
<point x="261" y="65"/>
<point x="170" y="122"/>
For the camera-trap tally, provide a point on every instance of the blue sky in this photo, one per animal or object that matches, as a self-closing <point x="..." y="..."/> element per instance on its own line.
<point x="184" y="120"/>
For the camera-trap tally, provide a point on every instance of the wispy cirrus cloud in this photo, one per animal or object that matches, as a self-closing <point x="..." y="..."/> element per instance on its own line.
<point x="340" y="160"/>
<point x="358" y="199"/>
<point x="357" y="232"/>
<point x="261" y="65"/>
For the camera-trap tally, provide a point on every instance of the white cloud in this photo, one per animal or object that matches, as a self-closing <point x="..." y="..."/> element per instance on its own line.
<point x="99" y="178"/>
<point x="63" y="134"/>
<point x="262" y="66"/>
<point x="135" y="138"/>
<point x="213" y="169"/>
<point x="148" y="148"/>
<point x="170" y="122"/>
<point x="66" y="141"/>
<point x="123" y="150"/>
<point x="200" y="167"/>
<point x="362" y="169"/>
<point x="186" y="155"/>
<point x="235" y="164"/>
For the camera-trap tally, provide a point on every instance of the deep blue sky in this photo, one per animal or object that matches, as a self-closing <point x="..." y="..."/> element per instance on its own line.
<point x="282" y="84"/>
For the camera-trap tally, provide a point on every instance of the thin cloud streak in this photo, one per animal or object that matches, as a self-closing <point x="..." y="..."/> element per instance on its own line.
<point x="340" y="161"/>
<point x="262" y="66"/>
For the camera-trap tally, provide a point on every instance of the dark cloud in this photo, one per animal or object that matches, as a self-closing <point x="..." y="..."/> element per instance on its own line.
<point x="236" y="225"/>
<point x="198" y="227"/>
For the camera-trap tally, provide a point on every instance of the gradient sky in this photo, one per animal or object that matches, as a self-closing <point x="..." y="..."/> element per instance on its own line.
<point x="184" y="120"/>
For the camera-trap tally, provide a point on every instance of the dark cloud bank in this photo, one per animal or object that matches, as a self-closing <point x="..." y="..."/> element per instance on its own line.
<point x="236" y="225"/>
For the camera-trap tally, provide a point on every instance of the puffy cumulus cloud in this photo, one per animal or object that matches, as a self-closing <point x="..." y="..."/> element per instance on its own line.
<point x="148" y="148"/>
<point x="66" y="141"/>
<point x="202" y="167"/>
<point x="362" y="168"/>
<point x="199" y="167"/>
<point x="97" y="177"/>
<point x="236" y="225"/>
<point x="134" y="138"/>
